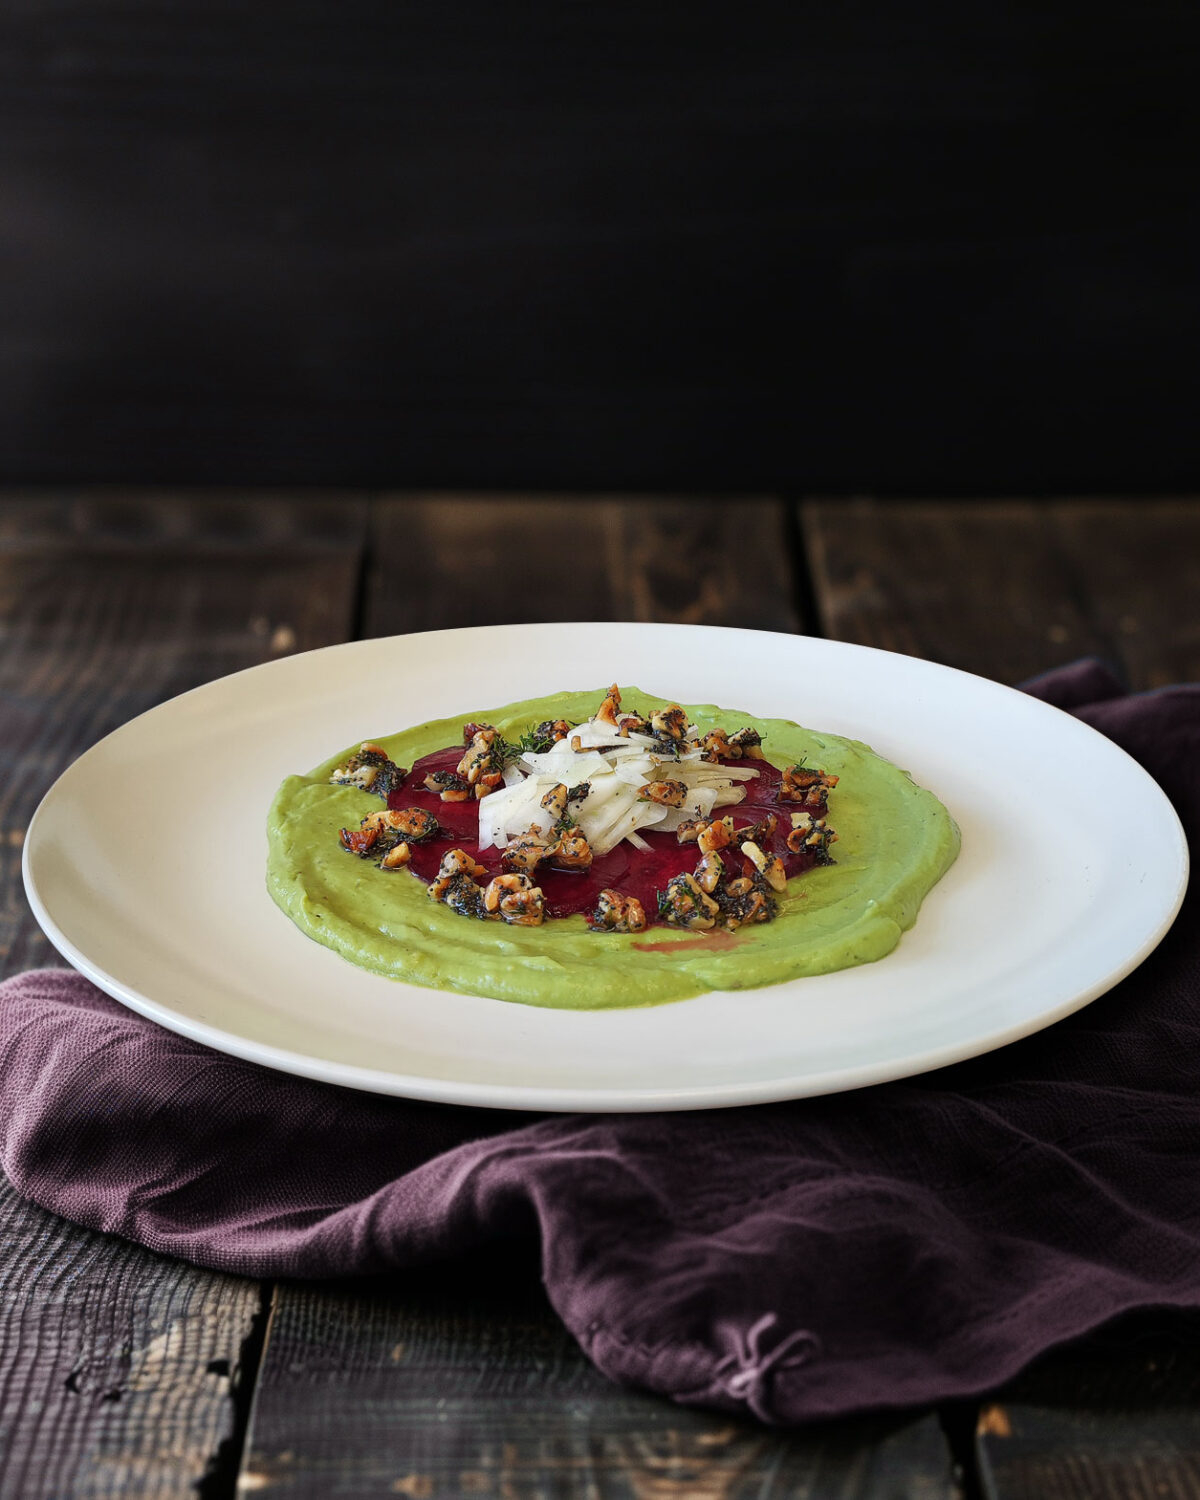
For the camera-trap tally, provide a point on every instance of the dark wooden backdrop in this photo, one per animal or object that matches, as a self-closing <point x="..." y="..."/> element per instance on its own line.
<point x="836" y="247"/>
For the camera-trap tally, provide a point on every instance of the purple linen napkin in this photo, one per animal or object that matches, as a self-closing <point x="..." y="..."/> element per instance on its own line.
<point x="895" y="1246"/>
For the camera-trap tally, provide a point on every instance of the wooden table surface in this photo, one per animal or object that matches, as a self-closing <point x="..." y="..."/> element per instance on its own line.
<point x="126" y="1374"/>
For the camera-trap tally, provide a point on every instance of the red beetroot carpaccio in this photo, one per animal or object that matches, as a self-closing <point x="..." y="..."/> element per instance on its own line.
<point x="631" y="871"/>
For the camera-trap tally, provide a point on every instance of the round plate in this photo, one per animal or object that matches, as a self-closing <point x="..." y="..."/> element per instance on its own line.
<point x="145" y="865"/>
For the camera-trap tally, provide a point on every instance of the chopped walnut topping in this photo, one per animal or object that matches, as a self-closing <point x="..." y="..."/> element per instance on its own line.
<point x="800" y="784"/>
<point x="617" y="913"/>
<point x="608" y="710"/>
<point x="758" y="832"/>
<point x="571" y="852"/>
<point x="452" y="786"/>
<point x="770" y="867"/>
<point x="811" y="835"/>
<point x="715" y="746"/>
<point x="459" y="862"/>
<point x="716" y="835"/>
<point x="526" y="851"/>
<point x="564" y="848"/>
<point x="552" y="730"/>
<point x="670" y="724"/>
<point x="665" y="793"/>
<point x="700" y="901"/>
<point x="710" y="872"/>
<point x="370" y="770"/>
<point x="685" y="904"/>
<point x="382" y="832"/>
<point x="743" y="902"/>
<point x="456" y="884"/>
<point x="465" y="897"/>
<point x="359" y="841"/>
<point x="555" y="801"/>
<point x="480" y="755"/>
<point x="746" y="742"/>
<point x="516" y="900"/>
<point x="412" y="823"/>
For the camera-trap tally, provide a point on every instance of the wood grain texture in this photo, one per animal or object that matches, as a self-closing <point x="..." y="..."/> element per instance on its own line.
<point x="111" y="604"/>
<point x="981" y="586"/>
<point x="1139" y="566"/>
<point x="116" y="1366"/>
<point x="464" y="1383"/>
<point x="1011" y="588"/>
<point x="450" y="560"/>
<point x="102" y="519"/>
<point x="1117" y="1415"/>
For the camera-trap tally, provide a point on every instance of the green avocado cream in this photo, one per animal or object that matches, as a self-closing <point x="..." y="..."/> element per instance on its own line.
<point x="895" y="841"/>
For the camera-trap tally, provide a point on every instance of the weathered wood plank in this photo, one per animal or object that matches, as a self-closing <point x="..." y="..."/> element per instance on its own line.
<point x="980" y="585"/>
<point x="1139" y="562"/>
<point x="463" y="1382"/>
<point x="111" y="604"/>
<point x="1011" y="588"/>
<point x="116" y="1366"/>
<point x="103" y="518"/>
<point x="1118" y="1416"/>
<point x="453" y="560"/>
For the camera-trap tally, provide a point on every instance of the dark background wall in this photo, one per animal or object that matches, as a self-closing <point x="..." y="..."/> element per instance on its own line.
<point x="931" y="248"/>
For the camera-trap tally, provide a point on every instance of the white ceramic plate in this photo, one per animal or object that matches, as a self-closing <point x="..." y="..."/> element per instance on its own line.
<point x="145" y="866"/>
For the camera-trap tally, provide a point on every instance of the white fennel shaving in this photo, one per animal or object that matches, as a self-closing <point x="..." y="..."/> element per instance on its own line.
<point x="615" y="768"/>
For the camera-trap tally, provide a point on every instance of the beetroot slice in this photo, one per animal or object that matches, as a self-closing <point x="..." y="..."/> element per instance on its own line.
<point x="629" y="870"/>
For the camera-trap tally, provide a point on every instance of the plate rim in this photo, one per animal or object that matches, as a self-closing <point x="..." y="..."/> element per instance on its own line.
<point x="541" y="1098"/>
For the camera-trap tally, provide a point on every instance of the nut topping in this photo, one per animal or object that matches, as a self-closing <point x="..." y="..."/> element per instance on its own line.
<point x="670" y="724"/>
<point x="555" y="801"/>
<point x="811" y="835"/>
<point x="710" y="872"/>
<point x="770" y="867"/>
<point x="685" y="904"/>
<point x="451" y="786"/>
<point x="412" y="823"/>
<point x="812" y="788"/>
<point x="665" y="793"/>
<point x="456" y="884"/>
<point x="715" y="746"/>
<point x="617" y="913"/>
<point x="370" y="770"/>
<point x="480" y="755"/>
<point x="516" y="900"/>
<point x="384" y="832"/>
<point x="572" y="852"/>
<point x="716" y="835"/>
<point x="526" y="851"/>
<point x="608" y="710"/>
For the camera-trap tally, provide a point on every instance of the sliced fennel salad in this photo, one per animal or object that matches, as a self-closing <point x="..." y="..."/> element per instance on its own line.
<point x="618" y="769"/>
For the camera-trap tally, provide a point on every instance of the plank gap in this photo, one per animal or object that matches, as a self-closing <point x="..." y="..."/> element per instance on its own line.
<point x="219" y="1480"/>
